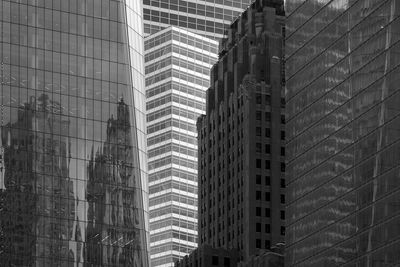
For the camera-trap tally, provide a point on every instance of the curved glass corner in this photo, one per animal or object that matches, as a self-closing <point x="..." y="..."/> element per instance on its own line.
<point x="73" y="164"/>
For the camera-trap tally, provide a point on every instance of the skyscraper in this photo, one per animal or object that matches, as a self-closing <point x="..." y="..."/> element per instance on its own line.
<point x="241" y="137"/>
<point x="182" y="59"/>
<point x="343" y="121"/>
<point x="178" y="66"/>
<point x="204" y="17"/>
<point x="73" y="153"/>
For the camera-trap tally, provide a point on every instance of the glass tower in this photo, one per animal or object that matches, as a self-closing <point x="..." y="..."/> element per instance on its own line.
<point x="343" y="124"/>
<point x="205" y="17"/>
<point x="73" y="168"/>
<point x="178" y="66"/>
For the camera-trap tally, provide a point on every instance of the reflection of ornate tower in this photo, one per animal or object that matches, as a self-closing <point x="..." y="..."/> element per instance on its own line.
<point x="93" y="56"/>
<point x="38" y="199"/>
<point x="111" y="194"/>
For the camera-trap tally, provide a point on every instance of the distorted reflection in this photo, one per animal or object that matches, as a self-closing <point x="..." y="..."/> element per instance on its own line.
<point x="111" y="192"/>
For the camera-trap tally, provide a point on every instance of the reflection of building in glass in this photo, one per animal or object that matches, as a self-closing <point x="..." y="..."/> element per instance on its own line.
<point x="64" y="67"/>
<point x="204" y="17"/>
<point x="342" y="61"/>
<point x="241" y="138"/>
<point x="177" y="75"/>
<point x="39" y="195"/>
<point x="111" y="195"/>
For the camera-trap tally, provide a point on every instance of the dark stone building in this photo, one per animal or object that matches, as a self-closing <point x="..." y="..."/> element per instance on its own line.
<point x="267" y="258"/>
<point x="242" y="137"/>
<point x="207" y="256"/>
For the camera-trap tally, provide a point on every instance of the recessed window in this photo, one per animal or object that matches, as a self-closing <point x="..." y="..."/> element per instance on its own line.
<point x="258" y="179"/>
<point x="214" y="260"/>
<point x="258" y="115"/>
<point x="258" y="227"/>
<point x="258" y="98"/>
<point x="258" y="243"/>
<point x="267" y="196"/>
<point x="268" y="99"/>
<point x="283" y="183"/>
<point x="282" y="135"/>
<point x="258" y="211"/>
<point x="282" y="199"/>
<point x="258" y="147"/>
<point x="282" y="214"/>
<point x="267" y="132"/>
<point x="258" y="163"/>
<point x="282" y="151"/>
<point x="267" y="228"/>
<point x="282" y="230"/>
<point x="267" y="149"/>
<point x="258" y="131"/>
<point x="227" y="262"/>
<point x="258" y="195"/>
<point x="267" y="212"/>
<point x="267" y="180"/>
<point x="283" y="167"/>
<point x="267" y="116"/>
<point x="267" y="164"/>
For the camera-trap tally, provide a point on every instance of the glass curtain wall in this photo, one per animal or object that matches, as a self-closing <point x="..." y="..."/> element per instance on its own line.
<point x="343" y="124"/>
<point x="72" y="136"/>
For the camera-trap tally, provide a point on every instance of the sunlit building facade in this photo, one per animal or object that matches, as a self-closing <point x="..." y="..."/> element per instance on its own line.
<point x="343" y="124"/>
<point x="209" y="18"/>
<point x="177" y="68"/>
<point x="73" y="159"/>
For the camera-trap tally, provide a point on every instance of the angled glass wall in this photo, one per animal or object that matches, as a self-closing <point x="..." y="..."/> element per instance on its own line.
<point x="72" y="126"/>
<point x="343" y="124"/>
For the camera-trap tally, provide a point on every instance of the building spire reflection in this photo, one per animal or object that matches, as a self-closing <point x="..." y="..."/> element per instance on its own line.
<point x="38" y="204"/>
<point x="111" y="195"/>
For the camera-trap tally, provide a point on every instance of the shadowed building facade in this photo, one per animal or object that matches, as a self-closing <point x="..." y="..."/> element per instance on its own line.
<point x="342" y="79"/>
<point x="72" y="153"/>
<point x="241" y="137"/>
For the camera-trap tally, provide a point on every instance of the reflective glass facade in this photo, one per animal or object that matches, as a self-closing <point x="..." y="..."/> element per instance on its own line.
<point x="73" y="168"/>
<point x="343" y="123"/>
<point x="205" y="17"/>
<point x="178" y="66"/>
